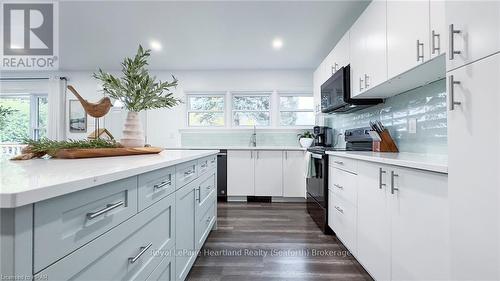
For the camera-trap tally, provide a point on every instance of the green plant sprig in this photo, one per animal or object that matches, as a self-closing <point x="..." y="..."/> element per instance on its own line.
<point x="306" y="134"/>
<point x="137" y="89"/>
<point x="50" y="147"/>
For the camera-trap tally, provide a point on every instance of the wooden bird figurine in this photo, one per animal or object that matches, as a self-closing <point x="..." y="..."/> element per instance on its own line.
<point x="95" y="110"/>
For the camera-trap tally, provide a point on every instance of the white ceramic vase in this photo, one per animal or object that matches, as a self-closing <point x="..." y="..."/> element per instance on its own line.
<point x="133" y="135"/>
<point x="305" y="142"/>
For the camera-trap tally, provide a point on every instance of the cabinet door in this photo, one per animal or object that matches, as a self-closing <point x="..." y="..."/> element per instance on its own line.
<point x="185" y="232"/>
<point x="474" y="165"/>
<point x="357" y="55"/>
<point x="240" y="173"/>
<point x="317" y="91"/>
<point x="407" y="35"/>
<point x="294" y="177"/>
<point x="341" y="55"/>
<point x="438" y="40"/>
<point x="375" y="52"/>
<point x="268" y="173"/>
<point x="479" y="26"/>
<point x="419" y="225"/>
<point x="373" y="221"/>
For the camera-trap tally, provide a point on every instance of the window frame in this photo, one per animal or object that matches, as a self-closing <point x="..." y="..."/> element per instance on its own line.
<point x="34" y="115"/>
<point x="207" y="94"/>
<point x="252" y="94"/>
<point x="280" y="110"/>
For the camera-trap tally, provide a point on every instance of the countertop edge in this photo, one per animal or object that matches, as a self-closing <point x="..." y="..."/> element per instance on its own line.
<point x="410" y="163"/>
<point x="19" y="199"/>
<point x="288" y="148"/>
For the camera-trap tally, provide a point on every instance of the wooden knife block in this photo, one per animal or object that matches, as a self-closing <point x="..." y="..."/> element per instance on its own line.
<point x="386" y="144"/>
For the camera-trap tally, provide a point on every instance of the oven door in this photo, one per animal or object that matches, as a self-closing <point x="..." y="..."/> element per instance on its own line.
<point x="315" y="185"/>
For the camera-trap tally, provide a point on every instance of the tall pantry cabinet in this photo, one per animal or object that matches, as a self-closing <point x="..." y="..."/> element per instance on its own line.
<point x="473" y="87"/>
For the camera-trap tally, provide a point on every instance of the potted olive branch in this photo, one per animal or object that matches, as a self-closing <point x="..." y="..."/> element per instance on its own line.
<point x="138" y="91"/>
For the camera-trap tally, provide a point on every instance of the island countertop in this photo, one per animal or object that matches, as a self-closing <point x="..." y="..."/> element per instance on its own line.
<point x="30" y="181"/>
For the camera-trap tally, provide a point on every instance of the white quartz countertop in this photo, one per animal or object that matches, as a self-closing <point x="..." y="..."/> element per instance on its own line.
<point x="241" y="147"/>
<point x="428" y="162"/>
<point x="29" y="181"/>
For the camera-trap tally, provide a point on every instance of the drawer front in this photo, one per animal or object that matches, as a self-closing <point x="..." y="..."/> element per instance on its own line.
<point x="154" y="186"/>
<point x="342" y="220"/>
<point x="65" y="223"/>
<point x="130" y="251"/>
<point x="205" y="221"/>
<point x="207" y="185"/>
<point x="165" y="271"/>
<point x="342" y="163"/>
<point x="343" y="184"/>
<point x="185" y="173"/>
<point x="212" y="162"/>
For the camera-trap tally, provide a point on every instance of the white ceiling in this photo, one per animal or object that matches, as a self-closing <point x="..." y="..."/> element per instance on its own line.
<point x="202" y="35"/>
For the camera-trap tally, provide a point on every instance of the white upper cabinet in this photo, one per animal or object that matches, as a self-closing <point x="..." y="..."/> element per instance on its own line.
<point x="438" y="40"/>
<point x="368" y="48"/>
<point x="407" y="35"/>
<point x="474" y="173"/>
<point x="474" y="31"/>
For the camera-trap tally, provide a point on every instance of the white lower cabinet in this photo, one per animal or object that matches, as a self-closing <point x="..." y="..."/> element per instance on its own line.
<point x="268" y="173"/>
<point x="401" y="225"/>
<point x="294" y="174"/>
<point x="240" y="173"/>
<point x="374" y="240"/>
<point x="275" y="173"/>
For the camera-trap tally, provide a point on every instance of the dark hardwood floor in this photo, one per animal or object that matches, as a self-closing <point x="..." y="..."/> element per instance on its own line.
<point x="272" y="241"/>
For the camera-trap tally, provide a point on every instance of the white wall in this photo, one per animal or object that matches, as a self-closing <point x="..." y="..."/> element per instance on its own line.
<point x="162" y="126"/>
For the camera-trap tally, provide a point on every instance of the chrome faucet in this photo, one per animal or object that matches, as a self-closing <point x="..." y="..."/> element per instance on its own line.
<point x="253" y="137"/>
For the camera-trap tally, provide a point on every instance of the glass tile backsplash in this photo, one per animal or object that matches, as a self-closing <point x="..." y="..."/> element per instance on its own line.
<point x="239" y="138"/>
<point x="425" y="105"/>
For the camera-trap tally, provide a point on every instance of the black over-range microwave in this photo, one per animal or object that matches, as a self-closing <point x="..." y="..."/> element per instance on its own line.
<point x="336" y="94"/>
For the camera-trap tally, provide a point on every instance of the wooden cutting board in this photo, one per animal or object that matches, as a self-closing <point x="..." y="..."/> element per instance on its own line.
<point x="105" y="152"/>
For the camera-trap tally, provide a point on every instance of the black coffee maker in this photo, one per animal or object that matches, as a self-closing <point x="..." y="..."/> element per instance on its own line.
<point x="323" y="136"/>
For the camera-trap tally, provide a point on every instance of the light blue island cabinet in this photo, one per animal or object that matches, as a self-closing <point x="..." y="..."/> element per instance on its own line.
<point x="127" y="218"/>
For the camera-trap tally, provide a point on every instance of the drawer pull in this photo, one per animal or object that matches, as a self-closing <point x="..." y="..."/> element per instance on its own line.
<point x="187" y="173"/>
<point x="162" y="184"/>
<point x="199" y="194"/>
<point x="208" y="187"/>
<point x="208" y="219"/>
<point x="338" y="162"/>
<point x="204" y="165"/>
<point x="143" y="250"/>
<point x="108" y="208"/>
<point x="340" y="210"/>
<point x="338" y="186"/>
<point x="213" y="161"/>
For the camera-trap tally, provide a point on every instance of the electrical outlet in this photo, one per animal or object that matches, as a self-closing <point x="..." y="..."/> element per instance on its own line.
<point x="412" y="125"/>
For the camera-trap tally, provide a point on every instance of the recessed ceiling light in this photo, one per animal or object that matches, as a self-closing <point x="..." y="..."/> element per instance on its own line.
<point x="277" y="43"/>
<point x="155" y="45"/>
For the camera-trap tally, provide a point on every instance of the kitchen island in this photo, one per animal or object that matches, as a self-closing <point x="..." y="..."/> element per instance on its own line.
<point x="118" y="218"/>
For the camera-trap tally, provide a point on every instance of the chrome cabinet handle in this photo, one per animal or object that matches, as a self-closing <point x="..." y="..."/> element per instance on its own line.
<point x="138" y="256"/>
<point x="199" y="194"/>
<point x="334" y="68"/>
<point x="187" y="173"/>
<point x="420" y="56"/>
<point x="212" y="161"/>
<point x="339" y="209"/>
<point x="208" y="219"/>
<point x="433" y="42"/>
<point x="360" y="82"/>
<point x="108" y="208"/>
<point x="204" y="165"/>
<point x="257" y="154"/>
<point x="380" y="173"/>
<point x="451" y="93"/>
<point x="286" y="155"/>
<point x="338" y="162"/>
<point x="162" y="184"/>
<point x="251" y="154"/>
<point x="338" y="186"/>
<point x="366" y="81"/>
<point x="452" y="51"/>
<point x="393" y="188"/>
